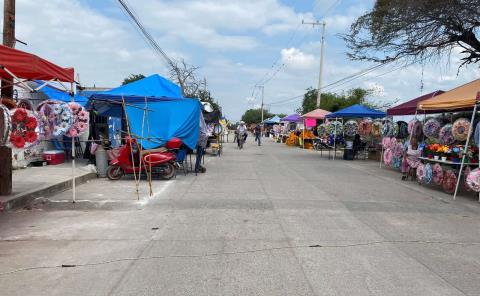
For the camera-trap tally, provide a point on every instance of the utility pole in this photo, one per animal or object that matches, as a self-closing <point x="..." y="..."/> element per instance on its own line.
<point x="7" y="91"/>
<point x="322" y="53"/>
<point x="263" y="90"/>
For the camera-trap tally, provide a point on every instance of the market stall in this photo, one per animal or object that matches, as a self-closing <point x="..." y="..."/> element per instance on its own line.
<point x="289" y="133"/>
<point x="310" y="121"/>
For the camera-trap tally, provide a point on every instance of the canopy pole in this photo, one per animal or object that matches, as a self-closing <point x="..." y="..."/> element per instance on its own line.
<point x="465" y="149"/>
<point x="334" y="140"/>
<point x="303" y="134"/>
<point x="74" y="193"/>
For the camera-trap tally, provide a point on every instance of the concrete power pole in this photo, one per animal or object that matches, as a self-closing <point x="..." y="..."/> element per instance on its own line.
<point x="263" y="91"/>
<point x="322" y="53"/>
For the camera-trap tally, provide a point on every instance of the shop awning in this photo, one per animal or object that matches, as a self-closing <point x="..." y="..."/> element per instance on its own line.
<point x="316" y="114"/>
<point x="462" y="97"/>
<point x="56" y="94"/>
<point x="31" y="67"/>
<point x="275" y="119"/>
<point x="357" y="111"/>
<point x="292" y="118"/>
<point x="410" y="107"/>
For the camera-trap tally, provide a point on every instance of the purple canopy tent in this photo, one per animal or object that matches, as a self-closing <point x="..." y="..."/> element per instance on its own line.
<point x="293" y="118"/>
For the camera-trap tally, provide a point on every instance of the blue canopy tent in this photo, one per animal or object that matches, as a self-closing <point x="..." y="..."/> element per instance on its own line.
<point x="357" y="111"/>
<point x="60" y="95"/>
<point x="275" y="119"/>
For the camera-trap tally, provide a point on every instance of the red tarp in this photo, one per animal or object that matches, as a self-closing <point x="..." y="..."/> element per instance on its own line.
<point x="30" y="67"/>
<point x="410" y="107"/>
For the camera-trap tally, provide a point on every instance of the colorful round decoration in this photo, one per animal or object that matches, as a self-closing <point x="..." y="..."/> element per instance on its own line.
<point x="437" y="174"/>
<point x="449" y="181"/>
<point x="401" y="130"/>
<point x="473" y="180"/>
<point x="388" y="157"/>
<point x="335" y="127"/>
<point x="24" y="127"/>
<point x="5" y="125"/>
<point x="56" y="119"/>
<point x="466" y="172"/>
<point x="365" y="127"/>
<point x="445" y="135"/>
<point x="322" y="129"/>
<point x="460" y="129"/>
<point x="386" y="142"/>
<point x="377" y="128"/>
<point x="350" y="128"/>
<point x="420" y="173"/>
<point x="396" y="162"/>
<point x="432" y="128"/>
<point x="411" y="123"/>
<point x="427" y="179"/>
<point x="387" y="129"/>
<point x="81" y="118"/>
<point x="397" y="150"/>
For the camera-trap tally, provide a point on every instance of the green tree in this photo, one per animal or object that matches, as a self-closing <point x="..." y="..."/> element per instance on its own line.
<point x="416" y="31"/>
<point x="204" y="96"/>
<point x="281" y="115"/>
<point x="132" y="78"/>
<point x="255" y="115"/>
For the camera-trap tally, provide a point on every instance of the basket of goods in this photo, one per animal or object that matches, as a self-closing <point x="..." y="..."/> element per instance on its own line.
<point x="81" y="118"/>
<point x="365" y="127"/>
<point x="388" y="157"/>
<point x="335" y="127"/>
<point x="427" y="179"/>
<point x="401" y="130"/>
<point x="432" y="128"/>
<point x="23" y="134"/>
<point x="473" y="180"/>
<point x="460" y="129"/>
<point x="377" y="128"/>
<point x="420" y="173"/>
<point x="322" y="129"/>
<point x="445" y="135"/>
<point x="5" y="125"/>
<point x="437" y="174"/>
<point x="387" y="128"/>
<point x="449" y="181"/>
<point x="350" y="128"/>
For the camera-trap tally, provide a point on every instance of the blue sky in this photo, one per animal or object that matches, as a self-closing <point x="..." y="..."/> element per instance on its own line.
<point x="233" y="42"/>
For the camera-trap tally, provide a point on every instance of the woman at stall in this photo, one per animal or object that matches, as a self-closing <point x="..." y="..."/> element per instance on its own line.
<point x="411" y="160"/>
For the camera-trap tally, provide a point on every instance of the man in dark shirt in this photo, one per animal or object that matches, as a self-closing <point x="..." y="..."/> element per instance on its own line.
<point x="258" y="134"/>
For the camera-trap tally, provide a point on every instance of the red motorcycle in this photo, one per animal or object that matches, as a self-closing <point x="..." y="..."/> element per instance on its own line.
<point x="159" y="161"/>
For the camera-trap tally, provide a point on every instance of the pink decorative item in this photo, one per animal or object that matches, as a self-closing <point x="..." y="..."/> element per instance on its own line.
<point x="420" y="172"/>
<point x="437" y="174"/>
<point x="473" y="180"/>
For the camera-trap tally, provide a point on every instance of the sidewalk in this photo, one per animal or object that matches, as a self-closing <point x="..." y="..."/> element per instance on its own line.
<point x="34" y="182"/>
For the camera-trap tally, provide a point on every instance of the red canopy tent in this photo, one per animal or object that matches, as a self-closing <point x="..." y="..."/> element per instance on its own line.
<point x="410" y="107"/>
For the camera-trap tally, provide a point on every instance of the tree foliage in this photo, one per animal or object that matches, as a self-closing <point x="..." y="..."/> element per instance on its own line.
<point x="204" y="96"/>
<point x="333" y="102"/>
<point x="255" y="115"/>
<point x="132" y="78"/>
<point x="416" y="31"/>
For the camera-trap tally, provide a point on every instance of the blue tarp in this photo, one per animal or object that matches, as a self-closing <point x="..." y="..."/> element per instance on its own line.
<point x="357" y="111"/>
<point x="275" y="119"/>
<point x="59" y="95"/>
<point x="166" y="119"/>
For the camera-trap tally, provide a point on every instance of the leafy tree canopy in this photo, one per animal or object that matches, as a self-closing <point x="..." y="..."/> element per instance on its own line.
<point x="132" y="78"/>
<point x="255" y="115"/>
<point x="416" y="31"/>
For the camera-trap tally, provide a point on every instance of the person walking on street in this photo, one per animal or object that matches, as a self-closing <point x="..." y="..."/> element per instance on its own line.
<point x="258" y="134"/>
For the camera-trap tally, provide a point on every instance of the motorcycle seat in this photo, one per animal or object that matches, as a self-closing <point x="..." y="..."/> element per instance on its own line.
<point x="161" y="149"/>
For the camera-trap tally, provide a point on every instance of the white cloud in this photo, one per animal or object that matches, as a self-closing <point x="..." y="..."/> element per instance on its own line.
<point x="296" y="59"/>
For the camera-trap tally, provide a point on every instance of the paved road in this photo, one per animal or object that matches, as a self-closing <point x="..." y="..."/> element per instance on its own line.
<point x="267" y="220"/>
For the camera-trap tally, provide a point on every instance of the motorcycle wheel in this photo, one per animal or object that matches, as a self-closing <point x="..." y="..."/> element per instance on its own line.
<point x="115" y="172"/>
<point x="168" y="172"/>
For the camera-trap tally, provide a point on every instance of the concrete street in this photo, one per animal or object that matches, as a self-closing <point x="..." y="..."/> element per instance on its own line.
<point x="269" y="220"/>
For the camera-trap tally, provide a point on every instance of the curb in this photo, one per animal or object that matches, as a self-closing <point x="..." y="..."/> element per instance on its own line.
<point x="22" y="199"/>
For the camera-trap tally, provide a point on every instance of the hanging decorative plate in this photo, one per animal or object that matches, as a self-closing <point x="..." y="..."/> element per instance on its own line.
<point x="322" y="129"/>
<point x="449" y="181"/>
<point x="365" y="127"/>
<point x="350" y="128"/>
<point x="466" y="172"/>
<point x="445" y="135"/>
<point x="473" y="180"/>
<point x="335" y="127"/>
<point x="387" y="129"/>
<point x="432" y="128"/>
<point x="81" y="118"/>
<point x="420" y="173"/>
<point x="427" y="179"/>
<point x="24" y="126"/>
<point x="460" y="129"/>
<point x="437" y="174"/>
<point x="402" y="130"/>
<point x="5" y="125"/>
<point x="377" y="128"/>
<point x="388" y="157"/>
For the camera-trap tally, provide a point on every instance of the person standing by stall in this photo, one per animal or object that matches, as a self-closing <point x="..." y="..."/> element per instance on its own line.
<point x="258" y="134"/>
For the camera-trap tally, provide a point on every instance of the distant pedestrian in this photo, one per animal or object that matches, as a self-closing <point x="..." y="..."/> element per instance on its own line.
<point x="258" y="134"/>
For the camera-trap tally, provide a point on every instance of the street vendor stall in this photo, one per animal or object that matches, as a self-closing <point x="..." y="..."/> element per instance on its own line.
<point x="289" y="135"/>
<point x="310" y="121"/>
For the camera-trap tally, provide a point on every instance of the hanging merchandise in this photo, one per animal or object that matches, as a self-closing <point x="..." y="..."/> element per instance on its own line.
<point x="449" y="181"/>
<point x="476" y="135"/>
<point x="350" y="128"/>
<point x="377" y="128"/>
<point x="5" y="125"/>
<point x="322" y="129"/>
<point x="335" y="127"/>
<point x="401" y="130"/>
<point x="432" y="128"/>
<point x="466" y="172"/>
<point x="417" y="130"/>
<point x="411" y="123"/>
<point x="397" y="150"/>
<point x="386" y="142"/>
<point x="81" y="118"/>
<point x="437" y="174"/>
<point x="473" y="180"/>
<point x="427" y="179"/>
<point x="23" y="133"/>
<point x="420" y="173"/>
<point x="25" y="104"/>
<point x="445" y="135"/>
<point x="56" y="119"/>
<point x="365" y="127"/>
<point x="460" y="129"/>
<point x="388" y="157"/>
<point x="387" y="129"/>
<point x="396" y="162"/>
